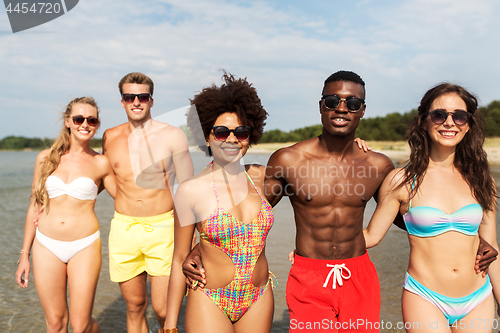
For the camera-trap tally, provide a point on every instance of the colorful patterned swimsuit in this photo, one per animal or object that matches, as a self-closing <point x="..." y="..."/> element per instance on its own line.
<point x="243" y="243"/>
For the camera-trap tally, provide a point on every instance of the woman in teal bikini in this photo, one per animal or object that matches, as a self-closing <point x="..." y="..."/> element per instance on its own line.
<point x="448" y="198"/>
<point x="225" y="203"/>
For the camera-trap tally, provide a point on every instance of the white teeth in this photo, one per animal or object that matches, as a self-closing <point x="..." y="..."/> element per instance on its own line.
<point x="449" y="134"/>
<point x="340" y="120"/>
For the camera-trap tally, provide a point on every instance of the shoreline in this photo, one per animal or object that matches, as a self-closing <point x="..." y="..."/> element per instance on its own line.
<point x="397" y="151"/>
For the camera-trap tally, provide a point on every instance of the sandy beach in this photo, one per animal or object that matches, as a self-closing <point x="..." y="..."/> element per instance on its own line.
<point x="20" y="309"/>
<point x="397" y="151"/>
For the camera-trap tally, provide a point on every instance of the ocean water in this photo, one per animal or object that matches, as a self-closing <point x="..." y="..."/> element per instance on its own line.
<point x="21" y="311"/>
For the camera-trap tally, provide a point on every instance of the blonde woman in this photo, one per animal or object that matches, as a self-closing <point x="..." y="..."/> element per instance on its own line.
<point x="66" y="244"/>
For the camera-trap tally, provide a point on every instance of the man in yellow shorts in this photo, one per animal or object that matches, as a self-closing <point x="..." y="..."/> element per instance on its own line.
<point x="146" y="156"/>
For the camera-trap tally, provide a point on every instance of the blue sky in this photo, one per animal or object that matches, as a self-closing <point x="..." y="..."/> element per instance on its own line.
<point x="285" y="48"/>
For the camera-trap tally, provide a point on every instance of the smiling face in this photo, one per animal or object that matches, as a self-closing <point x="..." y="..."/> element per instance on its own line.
<point x="137" y="112"/>
<point x="447" y="134"/>
<point x="341" y="122"/>
<point x="231" y="149"/>
<point x="83" y="131"/>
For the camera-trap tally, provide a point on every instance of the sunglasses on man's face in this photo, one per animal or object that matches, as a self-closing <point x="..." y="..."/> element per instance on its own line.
<point x="221" y="133"/>
<point x="459" y="117"/>
<point x="130" y="98"/>
<point x="352" y="103"/>
<point x="92" y="121"/>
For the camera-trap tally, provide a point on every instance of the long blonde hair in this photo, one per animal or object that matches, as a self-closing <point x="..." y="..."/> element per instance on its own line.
<point x="60" y="147"/>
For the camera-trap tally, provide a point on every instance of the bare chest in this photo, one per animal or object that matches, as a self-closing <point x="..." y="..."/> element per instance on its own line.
<point x="328" y="184"/>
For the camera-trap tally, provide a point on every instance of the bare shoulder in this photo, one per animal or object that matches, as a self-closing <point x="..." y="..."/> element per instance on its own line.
<point x="194" y="188"/>
<point x="113" y="132"/>
<point x="168" y="134"/>
<point x="256" y="172"/>
<point x="41" y="155"/>
<point x="394" y="178"/>
<point x="293" y="154"/>
<point x="101" y="160"/>
<point x="165" y="128"/>
<point x="378" y="159"/>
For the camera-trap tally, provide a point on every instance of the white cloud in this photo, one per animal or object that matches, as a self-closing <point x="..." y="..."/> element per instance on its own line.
<point x="399" y="48"/>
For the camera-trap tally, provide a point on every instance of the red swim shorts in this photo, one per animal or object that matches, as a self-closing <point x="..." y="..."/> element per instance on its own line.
<point x="333" y="295"/>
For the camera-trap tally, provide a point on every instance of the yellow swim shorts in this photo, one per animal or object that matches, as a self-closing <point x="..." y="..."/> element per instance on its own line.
<point x="138" y="244"/>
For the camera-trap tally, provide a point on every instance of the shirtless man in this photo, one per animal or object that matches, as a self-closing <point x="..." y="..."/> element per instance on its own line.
<point x="146" y="157"/>
<point x="329" y="181"/>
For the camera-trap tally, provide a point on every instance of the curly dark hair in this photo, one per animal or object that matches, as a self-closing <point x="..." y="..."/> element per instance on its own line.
<point x="470" y="157"/>
<point x="234" y="95"/>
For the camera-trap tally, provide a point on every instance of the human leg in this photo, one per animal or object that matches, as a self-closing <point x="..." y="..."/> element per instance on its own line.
<point x="157" y="244"/>
<point x="83" y="274"/>
<point x="421" y="316"/>
<point x="50" y="280"/>
<point x="134" y="292"/>
<point x="203" y="316"/>
<point x="480" y="319"/>
<point x="259" y="318"/>
<point x="159" y="291"/>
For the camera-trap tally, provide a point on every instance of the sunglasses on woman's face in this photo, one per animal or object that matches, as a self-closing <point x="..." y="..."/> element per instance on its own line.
<point x="130" y="98"/>
<point x="352" y="103"/>
<point x="221" y="133"/>
<point x="459" y="117"/>
<point x="92" y="121"/>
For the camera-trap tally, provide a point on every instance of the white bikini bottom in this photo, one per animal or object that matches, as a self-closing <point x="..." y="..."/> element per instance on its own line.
<point x="66" y="250"/>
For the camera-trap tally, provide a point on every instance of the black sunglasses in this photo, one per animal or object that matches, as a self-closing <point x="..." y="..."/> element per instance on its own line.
<point x="352" y="103"/>
<point x="130" y="98"/>
<point x="221" y="133"/>
<point x="92" y="121"/>
<point x="459" y="117"/>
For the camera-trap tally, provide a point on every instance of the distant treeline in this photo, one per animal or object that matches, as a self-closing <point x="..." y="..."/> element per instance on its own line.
<point x="20" y="142"/>
<point x="391" y="127"/>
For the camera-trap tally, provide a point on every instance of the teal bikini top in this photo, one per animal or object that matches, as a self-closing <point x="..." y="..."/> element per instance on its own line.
<point x="425" y="221"/>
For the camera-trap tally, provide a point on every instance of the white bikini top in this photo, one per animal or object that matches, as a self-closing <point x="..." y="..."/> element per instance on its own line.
<point x="82" y="188"/>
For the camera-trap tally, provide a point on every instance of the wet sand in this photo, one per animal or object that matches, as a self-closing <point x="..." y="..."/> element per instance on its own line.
<point x="21" y="311"/>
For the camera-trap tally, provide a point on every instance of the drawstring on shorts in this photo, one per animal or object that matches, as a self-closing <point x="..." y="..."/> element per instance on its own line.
<point x="337" y="275"/>
<point x="147" y="226"/>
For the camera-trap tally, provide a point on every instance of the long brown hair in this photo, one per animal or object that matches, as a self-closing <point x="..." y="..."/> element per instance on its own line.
<point x="470" y="158"/>
<point x="60" y="147"/>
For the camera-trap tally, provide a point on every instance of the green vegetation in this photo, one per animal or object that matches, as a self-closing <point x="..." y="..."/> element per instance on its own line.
<point x="20" y="143"/>
<point x="391" y="127"/>
<point x="491" y="114"/>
